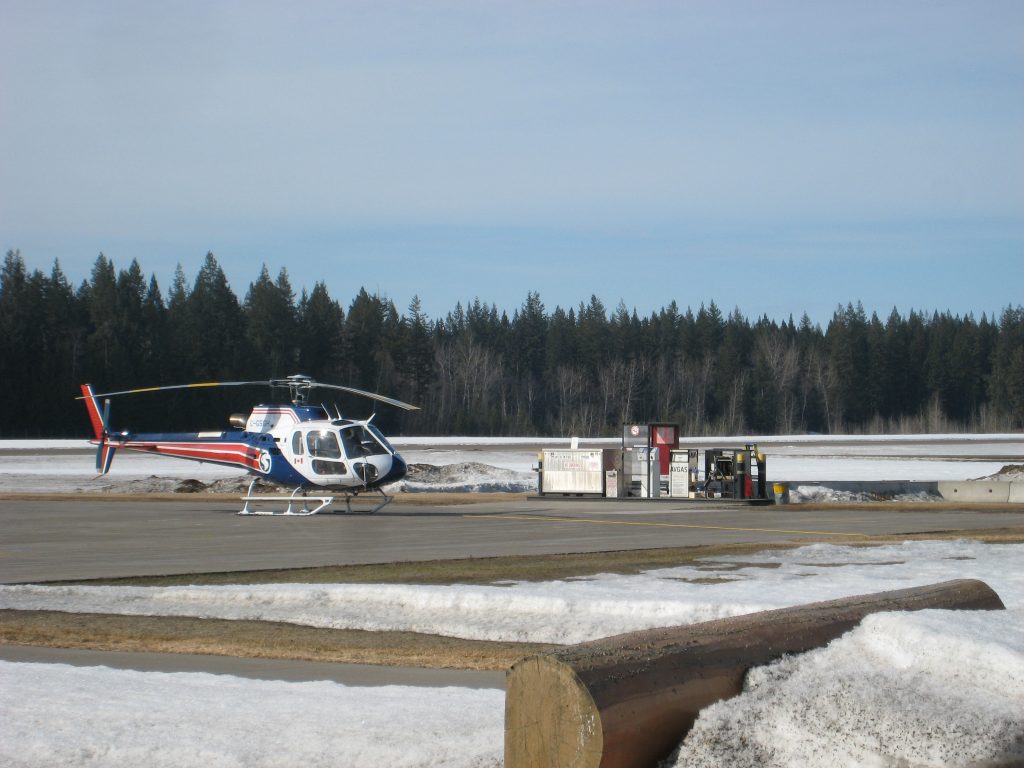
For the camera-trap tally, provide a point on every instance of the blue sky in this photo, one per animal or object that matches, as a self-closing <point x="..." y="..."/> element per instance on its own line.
<point x="780" y="157"/>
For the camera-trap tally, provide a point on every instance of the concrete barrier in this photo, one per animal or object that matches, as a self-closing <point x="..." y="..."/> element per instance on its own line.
<point x="1016" y="492"/>
<point x="976" y="491"/>
<point x="627" y="701"/>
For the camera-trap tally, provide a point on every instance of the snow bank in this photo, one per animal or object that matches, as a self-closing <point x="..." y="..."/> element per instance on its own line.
<point x="1009" y="473"/>
<point x="568" y="611"/>
<point x="58" y="715"/>
<point x="466" y="476"/>
<point x="932" y="688"/>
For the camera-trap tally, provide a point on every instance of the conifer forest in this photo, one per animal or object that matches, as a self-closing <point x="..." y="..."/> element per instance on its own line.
<point x="480" y="370"/>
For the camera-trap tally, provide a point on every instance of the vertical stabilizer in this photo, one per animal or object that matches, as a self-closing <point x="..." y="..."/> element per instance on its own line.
<point x="99" y="427"/>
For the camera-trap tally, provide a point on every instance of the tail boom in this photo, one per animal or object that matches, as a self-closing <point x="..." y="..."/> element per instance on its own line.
<point x="229" y="454"/>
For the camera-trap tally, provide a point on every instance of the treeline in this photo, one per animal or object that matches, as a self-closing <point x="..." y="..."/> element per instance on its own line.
<point x="581" y="370"/>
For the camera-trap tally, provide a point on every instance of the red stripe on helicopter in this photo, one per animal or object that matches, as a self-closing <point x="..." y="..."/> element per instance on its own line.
<point x="237" y="454"/>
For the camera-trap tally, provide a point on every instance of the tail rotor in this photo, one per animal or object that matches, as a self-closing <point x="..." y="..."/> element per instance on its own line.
<point x="100" y="427"/>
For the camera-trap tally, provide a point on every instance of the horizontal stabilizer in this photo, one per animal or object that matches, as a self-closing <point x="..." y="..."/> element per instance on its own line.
<point x="104" y="456"/>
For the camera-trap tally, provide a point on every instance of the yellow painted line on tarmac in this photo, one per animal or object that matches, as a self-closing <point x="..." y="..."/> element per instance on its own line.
<point x="544" y="519"/>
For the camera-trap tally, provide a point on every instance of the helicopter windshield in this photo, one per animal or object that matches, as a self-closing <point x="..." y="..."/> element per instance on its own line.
<point x="380" y="438"/>
<point x="364" y="440"/>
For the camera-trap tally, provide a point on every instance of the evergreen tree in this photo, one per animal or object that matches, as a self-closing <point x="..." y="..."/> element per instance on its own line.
<point x="372" y="331"/>
<point x="153" y="364"/>
<point x="19" y="340"/>
<point x="529" y="345"/>
<point x="64" y="334"/>
<point x="104" y="348"/>
<point x="530" y="330"/>
<point x="215" y="322"/>
<point x="592" y="334"/>
<point x="271" y="325"/>
<point x="848" y="358"/>
<point x="321" y="323"/>
<point x="1007" y="388"/>
<point x="418" y="353"/>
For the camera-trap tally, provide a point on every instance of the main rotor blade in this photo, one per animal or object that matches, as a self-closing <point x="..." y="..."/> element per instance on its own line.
<point x="199" y="385"/>
<point x="298" y="383"/>
<point x="371" y="395"/>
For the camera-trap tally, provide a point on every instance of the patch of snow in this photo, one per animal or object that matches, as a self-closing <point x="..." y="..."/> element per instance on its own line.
<point x="1009" y="473"/>
<point x="567" y="611"/>
<point x="806" y="494"/>
<point x="465" y="476"/>
<point x="929" y="688"/>
<point x="54" y="715"/>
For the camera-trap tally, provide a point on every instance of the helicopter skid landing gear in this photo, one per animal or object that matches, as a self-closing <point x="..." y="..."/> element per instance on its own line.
<point x="322" y="502"/>
<point x="385" y="500"/>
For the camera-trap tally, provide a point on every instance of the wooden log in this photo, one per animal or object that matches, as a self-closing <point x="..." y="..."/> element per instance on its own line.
<point x="627" y="701"/>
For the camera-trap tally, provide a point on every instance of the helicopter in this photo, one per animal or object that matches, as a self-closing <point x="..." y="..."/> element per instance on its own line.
<point x="298" y="444"/>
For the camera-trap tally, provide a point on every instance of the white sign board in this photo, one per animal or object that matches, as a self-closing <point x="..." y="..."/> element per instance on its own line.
<point x="569" y="471"/>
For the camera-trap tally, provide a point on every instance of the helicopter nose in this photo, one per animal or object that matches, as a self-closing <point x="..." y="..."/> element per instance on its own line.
<point x="397" y="471"/>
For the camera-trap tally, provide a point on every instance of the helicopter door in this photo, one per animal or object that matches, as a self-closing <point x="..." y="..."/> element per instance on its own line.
<point x="325" y="453"/>
<point x="297" y="447"/>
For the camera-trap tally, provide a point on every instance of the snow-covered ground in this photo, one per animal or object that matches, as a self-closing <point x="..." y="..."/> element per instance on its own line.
<point x="931" y="688"/>
<point x="58" y="715"/>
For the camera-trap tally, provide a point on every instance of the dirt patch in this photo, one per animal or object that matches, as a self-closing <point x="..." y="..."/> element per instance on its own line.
<point x="495" y="570"/>
<point x="489" y="570"/>
<point x="255" y="639"/>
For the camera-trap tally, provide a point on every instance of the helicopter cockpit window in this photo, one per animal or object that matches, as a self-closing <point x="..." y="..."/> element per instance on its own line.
<point x="297" y="443"/>
<point x="323" y="444"/>
<point x="324" y="467"/>
<point x="323" y="447"/>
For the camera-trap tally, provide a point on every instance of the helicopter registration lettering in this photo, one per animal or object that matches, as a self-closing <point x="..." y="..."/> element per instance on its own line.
<point x="265" y="419"/>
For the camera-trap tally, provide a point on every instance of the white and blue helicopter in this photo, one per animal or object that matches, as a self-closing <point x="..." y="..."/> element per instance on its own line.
<point x="300" y="445"/>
